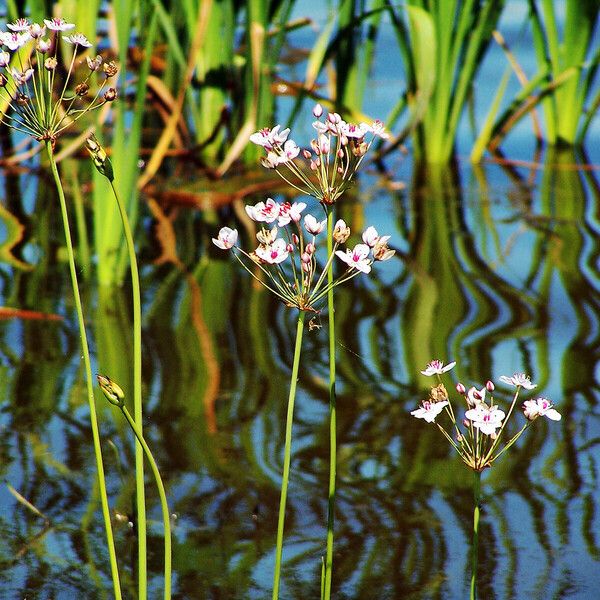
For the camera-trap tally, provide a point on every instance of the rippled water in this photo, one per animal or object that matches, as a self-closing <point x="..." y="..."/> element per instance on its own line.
<point x="497" y="269"/>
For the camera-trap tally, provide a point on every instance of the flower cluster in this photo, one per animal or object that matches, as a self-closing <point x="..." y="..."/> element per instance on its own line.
<point x="478" y="442"/>
<point x="290" y="262"/>
<point x="329" y="165"/>
<point x="41" y="102"/>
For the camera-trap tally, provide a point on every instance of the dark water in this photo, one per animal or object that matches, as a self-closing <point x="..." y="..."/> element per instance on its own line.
<point x="497" y="268"/>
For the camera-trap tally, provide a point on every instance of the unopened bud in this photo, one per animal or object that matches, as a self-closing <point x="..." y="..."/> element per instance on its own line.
<point x="82" y="89"/>
<point x="317" y="110"/>
<point x="306" y="154"/>
<point x="466" y="422"/>
<point x="461" y="389"/>
<point x="310" y="248"/>
<point x="306" y="267"/>
<point x="100" y="158"/>
<point x="295" y="239"/>
<point x="43" y="46"/>
<point x="489" y="386"/>
<point x="290" y="247"/>
<point x="110" y="94"/>
<point x="306" y="257"/>
<point x="3" y="81"/>
<point x="313" y="165"/>
<point x="113" y="392"/>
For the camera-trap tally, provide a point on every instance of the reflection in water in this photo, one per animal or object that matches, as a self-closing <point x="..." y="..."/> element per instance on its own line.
<point x="498" y="271"/>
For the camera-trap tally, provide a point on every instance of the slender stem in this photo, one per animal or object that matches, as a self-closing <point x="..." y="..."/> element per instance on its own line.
<point x="137" y="399"/>
<point x="332" y="415"/>
<point x="475" y="544"/>
<point x="88" y="372"/>
<point x="163" y="498"/>
<point x="287" y="453"/>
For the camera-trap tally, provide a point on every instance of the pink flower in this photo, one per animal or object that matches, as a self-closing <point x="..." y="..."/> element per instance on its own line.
<point x="78" y="39"/>
<point x="58" y="24"/>
<point x="21" y="77"/>
<point x="377" y="128"/>
<point x="290" y="212"/>
<point x="351" y="130"/>
<point x="541" y="407"/>
<point x="357" y="258"/>
<point x="485" y="418"/>
<point x="370" y="236"/>
<point x="274" y="253"/>
<point x="519" y="380"/>
<point x="290" y="151"/>
<point x="429" y="410"/>
<point x="435" y="367"/>
<point x="19" y="25"/>
<point x="475" y="397"/>
<point x="37" y="31"/>
<point x="264" y="211"/>
<point x="13" y="41"/>
<point x="317" y="110"/>
<point x="313" y="226"/>
<point x="226" y="239"/>
<point x="269" y="138"/>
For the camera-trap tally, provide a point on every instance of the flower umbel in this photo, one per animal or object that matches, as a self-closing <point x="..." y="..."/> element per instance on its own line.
<point x="288" y="254"/>
<point x="477" y="438"/>
<point x="325" y="170"/>
<point x="41" y="103"/>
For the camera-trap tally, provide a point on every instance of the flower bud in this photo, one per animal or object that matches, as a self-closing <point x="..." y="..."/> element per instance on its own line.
<point x="4" y="59"/>
<point x="466" y="422"/>
<point x="113" y="392"/>
<point x="489" y="386"/>
<point x="306" y="154"/>
<point x="100" y="158"/>
<point x="310" y="248"/>
<point x="295" y="239"/>
<point x="43" y="46"/>
<point x="290" y="247"/>
<point x="313" y="165"/>
<point x="306" y="257"/>
<point x="306" y="267"/>
<point x="3" y="81"/>
<point x="82" y="89"/>
<point x="110" y="94"/>
<point x="461" y="389"/>
<point x="317" y="111"/>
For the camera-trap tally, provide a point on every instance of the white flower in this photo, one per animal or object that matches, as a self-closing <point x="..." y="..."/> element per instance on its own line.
<point x="429" y="410"/>
<point x="357" y="258"/>
<point x="313" y="226"/>
<point x="541" y="407"/>
<point x="21" y="77"/>
<point x="377" y="128"/>
<point x="264" y="211"/>
<point x="354" y="131"/>
<point x="290" y="151"/>
<point x="15" y="40"/>
<point x="435" y="367"/>
<point x="4" y="58"/>
<point x="226" y="239"/>
<point x="519" y="379"/>
<point x="274" y="253"/>
<point x="486" y="418"/>
<point x="476" y="397"/>
<point x="78" y="39"/>
<point x="290" y="212"/>
<point x="58" y="24"/>
<point x="37" y="31"/>
<point x="370" y="236"/>
<point x="43" y="46"/>
<point x="19" y="25"/>
<point x="269" y="138"/>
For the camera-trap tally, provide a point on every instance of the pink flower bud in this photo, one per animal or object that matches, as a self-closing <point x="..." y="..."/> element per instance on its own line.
<point x="290" y="247"/>
<point x="310" y="248"/>
<point x="477" y="395"/>
<point x="313" y="165"/>
<point x="489" y="386"/>
<point x="306" y="258"/>
<point x="306" y="154"/>
<point x="306" y="267"/>
<point x="466" y="422"/>
<point x="461" y="389"/>
<point x="340" y="153"/>
<point x="317" y="110"/>
<point x="295" y="239"/>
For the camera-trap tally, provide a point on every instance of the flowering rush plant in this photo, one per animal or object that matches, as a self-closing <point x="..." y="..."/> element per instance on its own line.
<point x="326" y="169"/>
<point x="42" y="102"/>
<point x="287" y="253"/>
<point x="477" y="437"/>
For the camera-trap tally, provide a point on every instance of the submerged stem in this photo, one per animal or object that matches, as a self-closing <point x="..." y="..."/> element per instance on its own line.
<point x="88" y="372"/>
<point x="287" y="453"/>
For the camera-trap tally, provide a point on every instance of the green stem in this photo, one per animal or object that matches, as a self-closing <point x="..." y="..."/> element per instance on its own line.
<point x="137" y="399"/>
<point x="88" y="372"/>
<point x="287" y="453"/>
<point x="475" y="544"/>
<point x="332" y="416"/>
<point x="163" y="498"/>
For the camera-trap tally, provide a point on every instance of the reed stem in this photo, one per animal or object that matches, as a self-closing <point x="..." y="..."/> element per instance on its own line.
<point x="287" y="453"/>
<point x="475" y="543"/>
<point x="137" y="398"/>
<point x="88" y="372"/>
